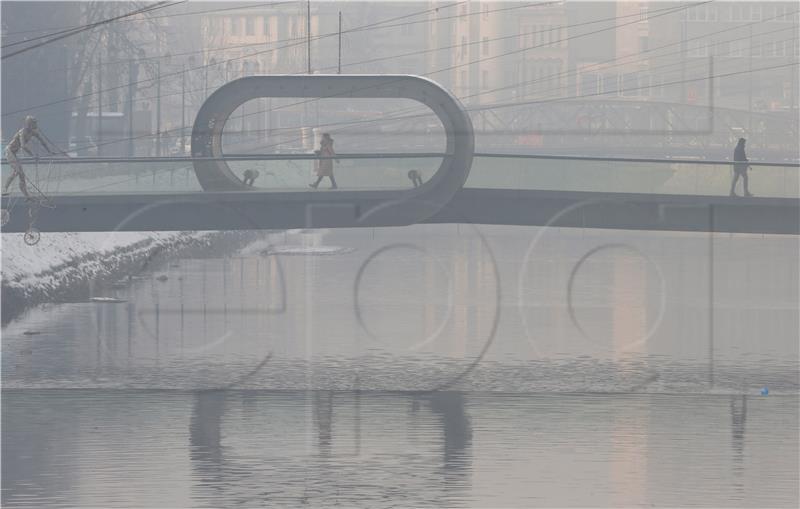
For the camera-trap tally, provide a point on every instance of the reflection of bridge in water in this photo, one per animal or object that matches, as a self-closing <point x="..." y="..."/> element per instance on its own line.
<point x="148" y="194"/>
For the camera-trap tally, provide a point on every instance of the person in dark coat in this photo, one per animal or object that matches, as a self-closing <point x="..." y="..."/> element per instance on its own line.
<point x="416" y="177"/>
<point x="740" y="167"/>
<point x="250" y="177"/>
<point x="324" y="167"/>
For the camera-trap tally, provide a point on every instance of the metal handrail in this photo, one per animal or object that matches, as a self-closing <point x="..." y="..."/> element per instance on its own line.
<point x="386" y="155"/>
<point x="227" y="157"/>
<point x="631" y="159"/>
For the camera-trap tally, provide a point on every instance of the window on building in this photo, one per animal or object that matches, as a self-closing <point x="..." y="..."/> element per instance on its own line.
<point x="609" y="84"/>
<point x="644" y="85"/>
<point x="755" y="12"/>
<point x="266" y="26"/>
<point x="643" y="12"/>
<point x="249" y="26"/>
<point x="234" y="25"/>
<point x="738" y="48"/>
<point x="783" y="12"/>
<point x="643" y="43"/>
<point x="463" y="47"/>
<point x="484" y="79"/>
<point x="630" y="84"/>
<point x="463" y="81"/>
<point x="739" y="12"/>
<point x="557" y="81"/>
<point x="589" y="83"/>
<point x="485" y="10"/>
<point x="657" y="86"/>
<point x="780" y="48"/>
<point x="698" y="49"/>
<point x="696" y="13"/>
<point x="485" y="46"/>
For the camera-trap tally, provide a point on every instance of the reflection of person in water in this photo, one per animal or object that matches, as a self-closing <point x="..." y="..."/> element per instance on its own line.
<point x="738" y="421"/>
<point x="449" y="406"/>
<point x="205" y="437"/>
<point x="323" y="417"/>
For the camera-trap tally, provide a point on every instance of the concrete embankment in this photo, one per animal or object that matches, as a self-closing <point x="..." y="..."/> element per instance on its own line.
<point x="72" y="266"/>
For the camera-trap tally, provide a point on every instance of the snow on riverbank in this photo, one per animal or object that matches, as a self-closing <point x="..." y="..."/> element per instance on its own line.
<point x="44" y="264"/>
<point x="68" y="266"/>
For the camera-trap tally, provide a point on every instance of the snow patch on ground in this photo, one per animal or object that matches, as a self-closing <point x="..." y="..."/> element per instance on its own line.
<point x="46" y="264"/>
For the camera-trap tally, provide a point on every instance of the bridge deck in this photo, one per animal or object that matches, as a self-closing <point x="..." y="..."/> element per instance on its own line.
<point x="162" y="194"/>
<point x="259" y="210"/>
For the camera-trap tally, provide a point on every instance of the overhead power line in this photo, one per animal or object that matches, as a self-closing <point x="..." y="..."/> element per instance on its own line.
<point x="665" y="12"/>
<point x="70" y="33"/>
<point x="170" y="16"/>
<point x="302" y="41"/>
<point x="385" y="119"/>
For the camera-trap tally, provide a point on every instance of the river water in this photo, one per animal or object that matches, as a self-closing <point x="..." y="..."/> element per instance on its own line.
<point x="433" y="365"/>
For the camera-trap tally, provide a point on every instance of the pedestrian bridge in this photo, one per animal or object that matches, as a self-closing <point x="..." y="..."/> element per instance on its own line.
<point x="207" y="191"/>
<point x="162" y="194"/>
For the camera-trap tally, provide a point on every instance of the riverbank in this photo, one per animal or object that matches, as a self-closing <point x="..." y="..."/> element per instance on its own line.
<point x="68" y="266"/>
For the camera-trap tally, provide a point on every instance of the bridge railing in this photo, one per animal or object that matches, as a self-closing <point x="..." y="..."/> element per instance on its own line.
<point x="275" y="172"/>
<point x="627" y="175"/>
<point x="293" y="172"/>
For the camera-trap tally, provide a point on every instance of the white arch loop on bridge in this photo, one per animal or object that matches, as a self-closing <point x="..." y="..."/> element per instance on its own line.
<point x="401" y="207"/>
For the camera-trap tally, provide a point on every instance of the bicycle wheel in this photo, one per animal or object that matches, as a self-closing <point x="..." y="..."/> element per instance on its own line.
<point x="32" y="236"/>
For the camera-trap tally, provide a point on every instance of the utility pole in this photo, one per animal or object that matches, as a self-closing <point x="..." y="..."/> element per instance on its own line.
<point x="711" y="94"/>
<point x="339" y="71"/>
<point x="183" y="109"/>
<point x="205" y="79"/>
<point x="793" y="134"/>
<point x="683" y="59"/>
<point x="158" y="108"/>
<point x="133" y="72"/>
<point x="308" y="33"/>
<point x="750" y="87"/>
<point x="99" y="104"/>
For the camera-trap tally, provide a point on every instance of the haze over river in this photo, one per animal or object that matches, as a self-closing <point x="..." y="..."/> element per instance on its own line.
<point x="432" y="365"/>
